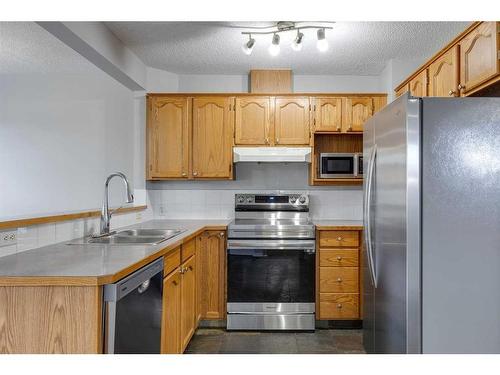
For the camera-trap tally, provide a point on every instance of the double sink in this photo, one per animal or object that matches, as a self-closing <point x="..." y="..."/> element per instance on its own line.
<point x="133" y="237"/>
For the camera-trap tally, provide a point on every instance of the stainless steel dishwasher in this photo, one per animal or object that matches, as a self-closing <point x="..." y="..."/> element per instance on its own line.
<point x="133" y="310"/>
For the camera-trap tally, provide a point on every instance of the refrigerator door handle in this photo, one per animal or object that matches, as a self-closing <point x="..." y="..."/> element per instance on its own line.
<point x="367" y="226"/>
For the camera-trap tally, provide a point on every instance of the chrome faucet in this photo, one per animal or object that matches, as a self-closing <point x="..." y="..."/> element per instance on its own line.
<point x="105" y="212"/>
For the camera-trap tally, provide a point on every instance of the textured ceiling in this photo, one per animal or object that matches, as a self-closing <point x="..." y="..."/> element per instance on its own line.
<point x="357" y="48"/>
<point x="27" y="48"/>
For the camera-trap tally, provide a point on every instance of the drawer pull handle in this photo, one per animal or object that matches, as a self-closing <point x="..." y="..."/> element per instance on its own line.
<point x="339" y="258"/>
<point x="339" y="238"/>
<point x="339" y="280"/>
<point x="339" y="306"/>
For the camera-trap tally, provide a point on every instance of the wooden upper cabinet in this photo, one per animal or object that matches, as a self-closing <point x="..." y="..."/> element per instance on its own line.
<point x="401" y="90"/>
<point x="327" y="114"/>
<point x="357" y="111"/>
<point x="291" y="121"/>
<point x="443" y="74"/>
<point x="479" y="56"/>
<point x="418" y="85"/>
<point x="168" y="133"/>
<point x="252" y="121"/>
<point x="212" y="137"/>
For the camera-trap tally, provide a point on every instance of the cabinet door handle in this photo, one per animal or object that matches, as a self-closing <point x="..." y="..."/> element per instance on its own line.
<point x="277" y="140"/>
<point x="182" y="270"/>
<point x="184" y="174"/>
<point x="190" y="268"/>
<point x="451" y="93"/>
<point x="339" y="280"/>
<point x="338" y="128"/>
<point x="460" y="87"/>
<point x="339" y="258"/>
<point x="339" y="306"/>
<point x="339" y="239"/>
<point x="174" y="282"/>
<point x="267" y="141"/>
<point x="221" y="234"/>
<point x="195" y="173"/>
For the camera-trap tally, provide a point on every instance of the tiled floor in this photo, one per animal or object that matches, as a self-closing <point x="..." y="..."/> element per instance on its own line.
<point x="322" y="341"/>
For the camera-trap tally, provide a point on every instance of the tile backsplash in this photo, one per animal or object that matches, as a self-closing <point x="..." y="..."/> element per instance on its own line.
<point x="219" y="203"/>
<point x="35" y="236"/>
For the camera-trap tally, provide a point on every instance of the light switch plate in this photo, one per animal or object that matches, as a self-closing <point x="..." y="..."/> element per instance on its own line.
<point x="8" y="238"/>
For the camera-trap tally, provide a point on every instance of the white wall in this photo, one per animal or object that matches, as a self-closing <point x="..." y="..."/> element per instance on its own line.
<point x="301" y="83"/>
<point x="395" y="72"/>
<point x="60" y="136"/>
<point x="215" y="199"/>
<point x="158" y="80"/>
<point x="213" y="83"/>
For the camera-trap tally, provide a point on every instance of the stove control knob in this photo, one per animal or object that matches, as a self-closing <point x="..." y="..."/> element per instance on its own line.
<point x="241" y="199"/>
<point x="302" y="199"/>
<point x="249" y="200"/>
<point x="293" y="200"/>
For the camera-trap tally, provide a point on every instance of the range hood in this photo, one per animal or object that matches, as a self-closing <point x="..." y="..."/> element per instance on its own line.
<point x="272" y="154"/>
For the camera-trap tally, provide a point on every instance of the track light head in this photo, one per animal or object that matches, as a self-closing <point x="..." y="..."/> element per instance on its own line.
<point x="274" y="48"/>
<point x="322" y="43"/>
<point x="297" y="43"/>
<point x="248" y="46"/>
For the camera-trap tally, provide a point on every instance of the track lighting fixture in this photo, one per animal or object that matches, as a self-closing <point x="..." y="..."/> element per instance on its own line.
<point x="274" y="48"/>
<point x="285" y="26"/>
<point x="322" y="43"/>
<point x="297" y="43"/>
<point x="248" y="46"/>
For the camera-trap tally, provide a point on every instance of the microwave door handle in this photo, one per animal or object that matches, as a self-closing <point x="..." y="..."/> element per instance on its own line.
<point x="356" y="165"/>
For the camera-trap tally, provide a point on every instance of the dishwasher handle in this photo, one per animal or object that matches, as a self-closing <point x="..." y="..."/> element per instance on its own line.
<point x="115" y="292"/>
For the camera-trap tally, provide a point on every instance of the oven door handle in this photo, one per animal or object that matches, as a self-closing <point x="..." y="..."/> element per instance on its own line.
<point x="271" y="245"/>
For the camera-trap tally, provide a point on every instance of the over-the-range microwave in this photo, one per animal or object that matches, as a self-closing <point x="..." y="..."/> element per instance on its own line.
<point x="340" y="165"/>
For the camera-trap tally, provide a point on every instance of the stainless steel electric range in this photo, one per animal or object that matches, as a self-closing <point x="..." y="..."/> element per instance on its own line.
<point x="271" y="263"/>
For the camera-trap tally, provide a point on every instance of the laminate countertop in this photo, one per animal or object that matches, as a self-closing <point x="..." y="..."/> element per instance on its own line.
<point x="99" y="264"/>
<point x="338" y="224"/>
<point x="95" y="264"/>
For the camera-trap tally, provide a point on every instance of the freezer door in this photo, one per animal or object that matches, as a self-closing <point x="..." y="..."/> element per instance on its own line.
<point x="394" y="220"/>
<point x="461" y="225"/>
<point x="368" y="287"/>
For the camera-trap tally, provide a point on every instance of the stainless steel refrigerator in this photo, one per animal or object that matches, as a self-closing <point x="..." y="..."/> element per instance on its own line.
<point x="431" y="259"/>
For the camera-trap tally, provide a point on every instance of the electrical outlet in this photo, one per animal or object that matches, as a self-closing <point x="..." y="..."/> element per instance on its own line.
<point x="163" y="210"/>
<point x="8" y="238"/>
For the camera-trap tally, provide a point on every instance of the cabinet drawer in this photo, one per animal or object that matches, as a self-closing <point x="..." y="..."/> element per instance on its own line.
<point x="339" y="306"/>
<point x="339" y="238"/>
<point x="338" y="280"/>
<point x="188" y="249"/>
<point x="338" y="257"/>
<point x="172" y="261"/>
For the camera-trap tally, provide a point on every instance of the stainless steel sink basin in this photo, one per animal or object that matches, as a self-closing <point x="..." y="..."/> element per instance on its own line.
<point x="132" y="237"/>
<point x="121" y="240"/>
<point x="149" y="232"/>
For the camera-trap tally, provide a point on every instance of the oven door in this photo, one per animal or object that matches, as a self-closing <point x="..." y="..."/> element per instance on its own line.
<point x="270" y="274"/>
<point x="338" y="166"/>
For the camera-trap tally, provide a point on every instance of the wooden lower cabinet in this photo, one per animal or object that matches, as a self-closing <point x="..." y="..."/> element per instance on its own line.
<point x="188" y="301"/>
<point x="37" y="319"/>
<point x="339" y="306"/>
<point x="212" y="276"/>
<point x="338" y="275"/>
<point x="194" y="290"/>
<point x="171" y="321"/>
<point x="179" y="307"/>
